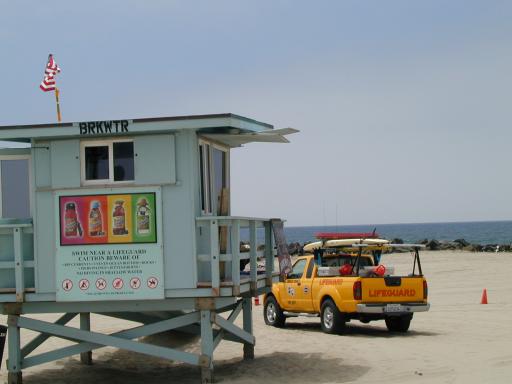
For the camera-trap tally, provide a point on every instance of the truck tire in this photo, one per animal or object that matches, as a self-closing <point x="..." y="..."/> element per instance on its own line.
<point x="272" y="313"/>
<point x="331" y="319"/>
<point x="398" y="323"/>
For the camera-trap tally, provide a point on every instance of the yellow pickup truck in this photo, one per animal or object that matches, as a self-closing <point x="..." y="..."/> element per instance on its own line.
<point x="340" y="286"/>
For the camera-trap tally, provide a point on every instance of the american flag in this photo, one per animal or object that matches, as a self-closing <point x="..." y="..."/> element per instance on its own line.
<point x="48" y="83"/>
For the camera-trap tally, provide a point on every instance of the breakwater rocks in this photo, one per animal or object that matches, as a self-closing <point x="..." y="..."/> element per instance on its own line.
<point x="459" y="244"/>
<point x="430" y="244"/>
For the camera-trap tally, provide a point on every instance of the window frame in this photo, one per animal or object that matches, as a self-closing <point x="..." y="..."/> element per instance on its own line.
<point x="309" y="270"/>
<point x="27" y="157"/>
<point x="295" y="276"/>
<point x="104" y="143"/>
<point x="205" y="148"/>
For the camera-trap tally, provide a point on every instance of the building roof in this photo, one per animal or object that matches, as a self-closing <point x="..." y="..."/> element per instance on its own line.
<point x="227" y="128"/>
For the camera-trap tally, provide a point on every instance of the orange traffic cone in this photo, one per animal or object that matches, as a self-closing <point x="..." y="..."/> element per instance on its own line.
<point x="257" y="300"/>
<point x="484" y="297"/>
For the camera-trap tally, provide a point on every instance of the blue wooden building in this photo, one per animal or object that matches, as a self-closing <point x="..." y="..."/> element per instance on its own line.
<point x="129" y="219"/>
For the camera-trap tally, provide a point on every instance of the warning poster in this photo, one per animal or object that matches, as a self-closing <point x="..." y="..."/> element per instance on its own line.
<point x="109" y="246"/>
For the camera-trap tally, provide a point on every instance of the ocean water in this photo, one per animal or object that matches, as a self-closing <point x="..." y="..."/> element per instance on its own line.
<point x="479" y="232"/>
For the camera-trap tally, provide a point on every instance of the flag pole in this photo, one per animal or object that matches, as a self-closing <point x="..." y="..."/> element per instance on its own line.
<point x="58" y="105"/>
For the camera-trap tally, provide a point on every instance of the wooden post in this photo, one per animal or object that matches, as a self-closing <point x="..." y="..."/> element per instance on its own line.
<point x="235" y="253"/>
<point x="58" y="104"/>
<point x="214" y="257"/>
<point x="253" y="257"/>
<point x="14" y="375"/>
<point x="85" y="325"/>
<point x="269" y="254"/>
<point x="247" y="324"/>
<point x="3" y="336"/>
<point x="223" y="210"/>
<point x="19" y="273"/>
<point x="206" y="347"/>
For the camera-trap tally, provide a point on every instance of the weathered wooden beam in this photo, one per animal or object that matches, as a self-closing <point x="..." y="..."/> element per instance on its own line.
<point x="19" y="274"/>
<point x="40" y="339"/>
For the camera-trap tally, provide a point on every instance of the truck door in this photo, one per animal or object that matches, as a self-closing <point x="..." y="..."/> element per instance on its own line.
<point x="298" y="286"/>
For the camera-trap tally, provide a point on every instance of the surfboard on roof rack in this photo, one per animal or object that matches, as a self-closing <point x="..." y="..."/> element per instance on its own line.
<point x="346" y="235"/>
<point x="348" y="243"/>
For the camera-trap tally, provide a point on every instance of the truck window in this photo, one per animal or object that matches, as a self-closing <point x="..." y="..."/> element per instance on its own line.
<point x="309" y="273"/>
<point x="298" y="269"/>
<point x="339" y="261"/>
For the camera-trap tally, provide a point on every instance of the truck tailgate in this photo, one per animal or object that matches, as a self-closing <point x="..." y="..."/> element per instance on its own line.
<point x="392" y="289"/>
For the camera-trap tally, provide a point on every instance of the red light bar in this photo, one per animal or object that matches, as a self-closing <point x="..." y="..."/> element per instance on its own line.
<point x="346" y="235"/>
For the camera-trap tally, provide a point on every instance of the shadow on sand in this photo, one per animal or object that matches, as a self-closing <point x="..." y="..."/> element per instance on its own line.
<point x="357" y="329"/>
<point x="124" y="367"/>
<point x="121" y="367"/>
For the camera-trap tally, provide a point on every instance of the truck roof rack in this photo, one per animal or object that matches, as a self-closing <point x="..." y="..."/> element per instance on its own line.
<point x="407" y="245"/>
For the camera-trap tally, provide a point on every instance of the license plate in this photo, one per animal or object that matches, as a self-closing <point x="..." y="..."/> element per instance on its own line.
<point x="393" y="308"/>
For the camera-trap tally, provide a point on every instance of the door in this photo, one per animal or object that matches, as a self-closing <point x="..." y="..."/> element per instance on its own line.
<point x="304" y="295"/>
<point x="298" y="287"/>
<point x="214" y="191"/>
<point x="214" y="178"/>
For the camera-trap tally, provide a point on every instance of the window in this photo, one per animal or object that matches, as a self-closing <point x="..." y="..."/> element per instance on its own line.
<point x="219" y="164"/>
<point x="204" y="164"/>
<point x="123" y="161"/>
<point x="15" y="187"/>
<point x="298" y="269"/>
<point x="309" y="273"/>
<point x="107" y="161"/>
<point x="96" y="163"/>
<point x="214" y="178"/>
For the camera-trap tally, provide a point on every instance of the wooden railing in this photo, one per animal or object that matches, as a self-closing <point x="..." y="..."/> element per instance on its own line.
<point x="222" y="249"/>
<point x="14" y="236"/>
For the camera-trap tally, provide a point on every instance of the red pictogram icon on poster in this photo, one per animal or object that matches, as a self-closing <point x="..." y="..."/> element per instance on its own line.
<point x="83" y="284"/>
<point x="152" y="282"/>
<point x="67" y="285"/>
<point x="118" y="283"/>
<point x="135" y="282"/>
<point x="101" y="284"/>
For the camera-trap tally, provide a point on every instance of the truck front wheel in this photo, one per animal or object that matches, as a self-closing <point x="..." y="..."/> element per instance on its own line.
<point x="272" y="313"/>
<point x="331" y="319"/>
<point x="398" y="323"/>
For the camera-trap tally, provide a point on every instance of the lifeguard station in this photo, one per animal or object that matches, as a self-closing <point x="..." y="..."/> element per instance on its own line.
<point x="129" y="219"/>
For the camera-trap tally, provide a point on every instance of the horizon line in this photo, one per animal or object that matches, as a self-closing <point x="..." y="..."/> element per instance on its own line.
<point x="402" y="223"/>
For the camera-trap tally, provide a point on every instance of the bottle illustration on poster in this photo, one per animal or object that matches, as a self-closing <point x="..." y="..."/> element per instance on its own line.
<point x="108" y="219"/>
<point x="143" y="216"/>
<point x="95" y="220"/>
<point x="119" y="219"/>
<point x="73" y="228"/>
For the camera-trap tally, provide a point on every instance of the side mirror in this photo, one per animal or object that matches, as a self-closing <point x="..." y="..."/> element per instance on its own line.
<point x="283" y="277"/>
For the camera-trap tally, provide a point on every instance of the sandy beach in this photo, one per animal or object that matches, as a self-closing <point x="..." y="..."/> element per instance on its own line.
<point x="458" y="341"/>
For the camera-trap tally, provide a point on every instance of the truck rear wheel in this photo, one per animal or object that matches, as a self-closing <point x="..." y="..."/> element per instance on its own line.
<point x="331" y="319"/>
<point x="398" y="323"/>
<point x="272" y="313"/>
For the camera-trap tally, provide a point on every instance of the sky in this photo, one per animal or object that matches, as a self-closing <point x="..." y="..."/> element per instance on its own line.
<point x="403" y="107"/>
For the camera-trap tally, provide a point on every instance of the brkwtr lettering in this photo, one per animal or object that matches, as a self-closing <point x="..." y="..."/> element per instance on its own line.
<point x="103" y="127"/>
